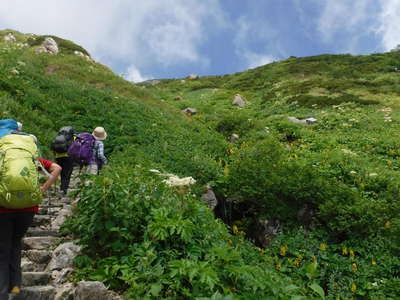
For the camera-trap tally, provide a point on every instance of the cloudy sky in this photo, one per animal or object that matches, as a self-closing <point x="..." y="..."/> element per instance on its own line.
<point x="174" y="38"/>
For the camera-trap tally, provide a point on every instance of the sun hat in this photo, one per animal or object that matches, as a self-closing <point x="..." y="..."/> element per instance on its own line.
<point x="99" y="133"/>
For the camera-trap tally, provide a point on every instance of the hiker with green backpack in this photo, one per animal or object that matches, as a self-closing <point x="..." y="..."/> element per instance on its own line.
<point x="20" y="195"/>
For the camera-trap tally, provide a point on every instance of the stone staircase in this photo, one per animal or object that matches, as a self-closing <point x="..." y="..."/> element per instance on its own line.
<point x="38" y="280"/>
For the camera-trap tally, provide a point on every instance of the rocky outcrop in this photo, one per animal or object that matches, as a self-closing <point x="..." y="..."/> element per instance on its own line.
<point x="192" y="76"/>
<point x="190" y="111"/>
<point x="238" y="100"/>
<point x="81" y="54"/>
<point x="48" y="46"/>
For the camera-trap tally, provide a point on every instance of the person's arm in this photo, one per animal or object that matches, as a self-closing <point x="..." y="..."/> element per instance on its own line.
<point x="54" y="171"/>
<point x="100" y="153"/>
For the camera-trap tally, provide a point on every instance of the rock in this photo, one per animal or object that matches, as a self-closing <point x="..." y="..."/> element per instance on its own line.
<point x="38" y="256"/>
<point x="65" y="292"/>
<point x="263" y="231"/>
<point x="60" y="277"/>
<point x="192" y="76"/>
<point x="209" y="198"/>
<point x="40" y="50"/>
<point x="61" y="217"/>
<point x="302" y="121"/>
<point x="50" y="45"/>
<point x="79" y="53"/>
<point x="39" y="243"/>
<point x="63" y="256"/>
<point x="35" y="278"/>
<point x="89" y="290"/>
<point x="36" y="293"/>
<point x="238" y="101"/>
<point x="14" y="72"/>
<point x="9" y="37"/>
<point x="176" y="181"/>
<point x="190" y="111"/>
<point x="305" y="215"/>
<point x="40" y="220"/>
<point x="233" y="138"/>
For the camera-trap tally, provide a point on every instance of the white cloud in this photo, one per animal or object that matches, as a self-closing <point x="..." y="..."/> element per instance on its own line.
<point x="140" y="33"/>
<point x="250" y="32"/>
<point x="255" y="60"/>
<point x="343" y="16"/>
<point x="390" y="23"/>
<point x="133" y="74"/>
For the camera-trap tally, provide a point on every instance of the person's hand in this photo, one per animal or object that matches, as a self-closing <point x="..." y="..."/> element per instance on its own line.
<point x="43" y="188"/>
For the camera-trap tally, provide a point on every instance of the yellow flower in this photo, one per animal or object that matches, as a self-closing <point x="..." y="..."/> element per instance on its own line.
<point x="226" y="171"/>
<point x="352" y="254"/>
<point x="354" y="267"/>
<point x="353" y="287"/>
<point x="278" y="266"/>
<point x="387" y="224"/>
<point x="283" y="250"/>
<point x="344" y="251"/>
<point x="373" y="262"/>
<point x="297" y="261"/>
<point x="235" y="230"/>
<point x="323" y="247"/>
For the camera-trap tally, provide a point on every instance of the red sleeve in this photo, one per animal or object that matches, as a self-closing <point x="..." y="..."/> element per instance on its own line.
<point x="45" y="163"/>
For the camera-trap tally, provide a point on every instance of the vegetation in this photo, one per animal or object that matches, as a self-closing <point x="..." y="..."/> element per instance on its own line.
<point x="149" y="241"/>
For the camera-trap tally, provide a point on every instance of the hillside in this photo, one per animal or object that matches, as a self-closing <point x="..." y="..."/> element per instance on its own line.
<point x="329" y="188"/>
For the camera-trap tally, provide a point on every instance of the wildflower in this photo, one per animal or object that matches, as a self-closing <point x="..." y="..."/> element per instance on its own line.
<point x="235" y="230"/>
<point x="373" y="262"/>
<point x="353" y="287"/>
<point x="283" y="250"/>
<point x="351" y="253"/>
<point x="297" y="261"/>
<point x="322" y="247"/>
<point x="344" y="251"/>
<point x="387" y="224"/>
<point x="278" y="266"/>
<point x="226" y="171"/>
<point x="354" y="267"/>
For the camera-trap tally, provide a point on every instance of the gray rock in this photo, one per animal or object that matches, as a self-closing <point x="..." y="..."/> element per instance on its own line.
<point x="262" y="232"/>
<point x="36" y="293"/>
<point x="190" y="111"/>
<point x="209" y="198"/>
<point x="60" y="277"/>
<point x="63" y="256"/>
<point x="39" y="243"/>
<point x="233" y="138"/>
<point x="302" y="121"/>
<point x="89" y="290"/>
<point x="38" y="256"/>
<point x="35" y="278"/>
<point x="61" y="217"/>
<point x="50" y="45"/>
<point x="65" y="292"/>
<point x="239" y="101"/>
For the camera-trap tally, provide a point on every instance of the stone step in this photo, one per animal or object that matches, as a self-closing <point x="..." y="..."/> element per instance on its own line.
<point x="33" y="231"/>
<point x="35" y="278"/>
<point x="30" y="266"/>
<point x="35" y="293"/>
<point x="51" y="211"/>
<point x="39" y="242"/>
<point x="37" y="256"/>
<point x="40" y="220"/>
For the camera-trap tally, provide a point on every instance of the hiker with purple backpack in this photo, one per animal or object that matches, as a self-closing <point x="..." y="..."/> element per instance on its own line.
<point x="88" y="150"/>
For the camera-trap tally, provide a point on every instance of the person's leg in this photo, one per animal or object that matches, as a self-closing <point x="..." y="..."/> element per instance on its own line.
<point x="69" y="167"/>
<point x="22" y="221"/>
<point x="6" y="232"/>
<point x="61" y="161"/>
<point x="92" y="169"/>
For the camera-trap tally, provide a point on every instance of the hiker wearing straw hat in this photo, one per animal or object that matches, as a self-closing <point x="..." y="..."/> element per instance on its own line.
<point x="99" y="159"/>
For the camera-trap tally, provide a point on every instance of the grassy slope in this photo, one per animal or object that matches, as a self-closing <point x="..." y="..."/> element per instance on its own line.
<point x="355" y="100"/>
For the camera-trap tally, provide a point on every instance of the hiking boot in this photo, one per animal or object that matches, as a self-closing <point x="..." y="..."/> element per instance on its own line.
<point x="15" y="290"/>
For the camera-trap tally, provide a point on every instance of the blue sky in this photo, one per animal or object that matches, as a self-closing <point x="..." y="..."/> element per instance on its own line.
<point x="174" y="38"/>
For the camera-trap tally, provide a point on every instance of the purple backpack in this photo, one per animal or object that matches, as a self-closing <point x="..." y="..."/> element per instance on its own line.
<point x="81" y="150"/>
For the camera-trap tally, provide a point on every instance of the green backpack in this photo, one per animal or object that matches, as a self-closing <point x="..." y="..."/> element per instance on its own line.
<point x="19" y="181"/>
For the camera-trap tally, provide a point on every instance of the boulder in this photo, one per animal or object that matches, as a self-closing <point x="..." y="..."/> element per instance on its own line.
<point x="89" y="290"/>
<point x="50" y="45"/>
<point x="190" y="111"/>
<point x="302" y="121"/>
<point x="63" y="256"/>
<point x="61" y="217"/>
<point x="233" y="138"/>
<point x="238" y="100"/>
<point x="209" y="198"/>
<point x="65" y="292"/>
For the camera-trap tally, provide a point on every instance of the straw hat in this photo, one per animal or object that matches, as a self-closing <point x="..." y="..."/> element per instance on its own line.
<point x="99" y="133"/>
